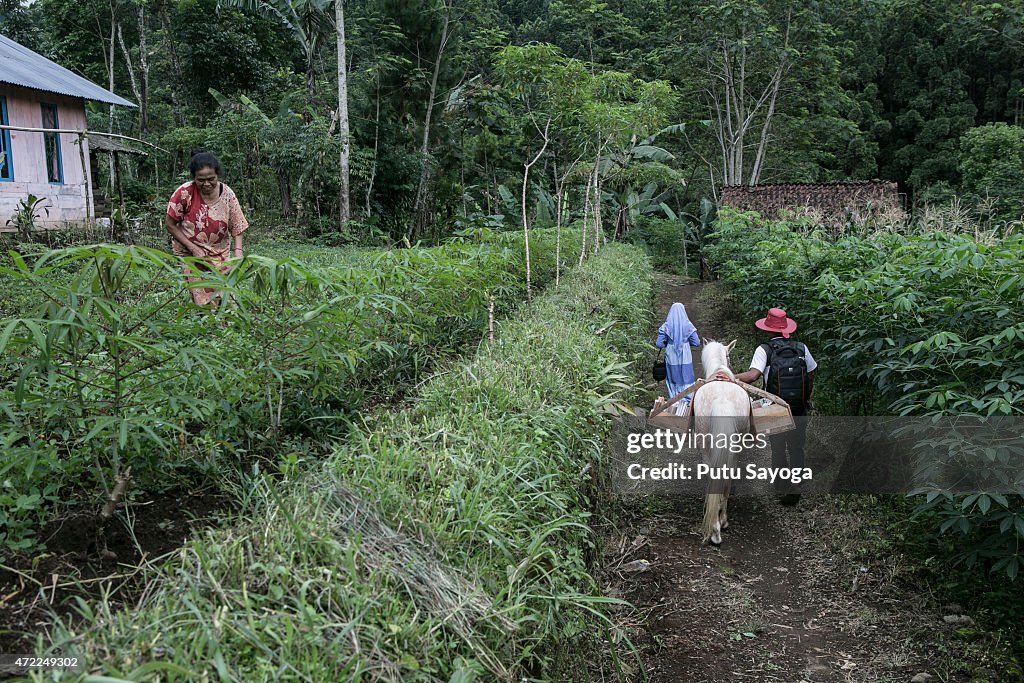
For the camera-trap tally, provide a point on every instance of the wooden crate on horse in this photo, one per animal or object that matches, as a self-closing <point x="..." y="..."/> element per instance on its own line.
<point x="771" y="414"/>
<point x="771" y="418"/>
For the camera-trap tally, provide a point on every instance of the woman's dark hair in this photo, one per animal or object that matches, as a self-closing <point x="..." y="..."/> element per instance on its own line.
<point x="203" y="159"/>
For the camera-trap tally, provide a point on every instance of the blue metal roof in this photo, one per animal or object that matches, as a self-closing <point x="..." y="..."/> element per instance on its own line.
<point x="21" y="66"/>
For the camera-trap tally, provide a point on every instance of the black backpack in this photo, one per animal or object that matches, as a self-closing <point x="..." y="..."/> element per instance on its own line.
<point x="787" y="372"/>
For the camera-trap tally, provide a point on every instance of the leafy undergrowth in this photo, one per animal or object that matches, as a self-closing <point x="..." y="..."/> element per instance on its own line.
<point x="902" y="562"/>
<point x="446" y="541"/>
<point x="107" y="365"/>
<point x="920" y="325"/>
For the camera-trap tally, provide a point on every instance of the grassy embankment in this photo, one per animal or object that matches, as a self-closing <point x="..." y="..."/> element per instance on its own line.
<point x="446" y="541"/>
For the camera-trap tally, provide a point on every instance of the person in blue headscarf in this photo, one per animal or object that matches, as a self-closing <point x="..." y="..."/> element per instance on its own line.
<point x="676" y="335"/>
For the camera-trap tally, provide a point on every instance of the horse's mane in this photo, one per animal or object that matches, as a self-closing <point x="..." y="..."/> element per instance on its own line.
<point x="715" y="358"/>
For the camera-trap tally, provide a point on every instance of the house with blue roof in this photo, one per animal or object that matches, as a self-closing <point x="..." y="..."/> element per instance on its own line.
<point x="44" y="142"/>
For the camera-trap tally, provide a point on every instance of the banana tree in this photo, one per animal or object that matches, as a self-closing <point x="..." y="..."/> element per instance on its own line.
<point x="643" y="162"/>
<point x="629" y="204"/>
<point x="311" y="23"/>
<point x="694" y="230"/>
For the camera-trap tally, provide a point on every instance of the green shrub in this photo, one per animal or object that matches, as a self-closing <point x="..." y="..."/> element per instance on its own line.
<point x="929" y="324"/>
<point x="663" y="239"/>
<point x="113" y="367"/>
<point x="992" y="167"/>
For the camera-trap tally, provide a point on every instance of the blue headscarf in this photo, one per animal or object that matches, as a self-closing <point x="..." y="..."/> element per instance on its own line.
<point x="677" y="326"/>
<point x="676" y="336"/>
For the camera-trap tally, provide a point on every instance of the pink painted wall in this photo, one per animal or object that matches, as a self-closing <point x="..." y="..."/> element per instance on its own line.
<point x="67" y="202"/>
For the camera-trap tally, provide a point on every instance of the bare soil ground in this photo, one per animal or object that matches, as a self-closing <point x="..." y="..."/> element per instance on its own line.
<point x="81" y="560"/>
<point x="783" y="599"/>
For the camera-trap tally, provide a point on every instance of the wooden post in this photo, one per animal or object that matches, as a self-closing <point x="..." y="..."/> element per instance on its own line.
<point x="490" y="316"/>
<point x="114" y="228"/>
<point x="117" y="174"/>
<point x="86" y="179"/>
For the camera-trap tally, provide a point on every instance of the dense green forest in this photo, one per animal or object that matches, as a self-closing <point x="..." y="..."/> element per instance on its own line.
<point x="646" y="106"/>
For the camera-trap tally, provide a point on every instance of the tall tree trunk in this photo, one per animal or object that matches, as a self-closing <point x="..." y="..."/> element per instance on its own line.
<point x="559" y="185"/>
<point x="462" y="173"/>
<point x="376" y="143"/>
<point x="597" y="206"/>
<point x="774" y="86"/>
<point x="762" y="145"/>
<point x="284" y="183"/>
<point x="144" y="71"/>
<point x="110" y="78"/>
<point x="487" y="188"/>
<point x="687" y="230"/>
<point x="311" y="75"/>
<point x="179" y="110"/>
<point x="131" y="73"/>
<point x="586" y="215"/>
<point x="526" y="225"/>
<point x="421" y="210"/>
<point x="343" y="195"/>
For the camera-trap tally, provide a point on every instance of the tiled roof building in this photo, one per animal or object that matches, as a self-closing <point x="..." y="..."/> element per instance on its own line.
<point x="834" y="204"/>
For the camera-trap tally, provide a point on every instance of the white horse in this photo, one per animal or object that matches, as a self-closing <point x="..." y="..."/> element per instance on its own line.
<point x="721" y="409"/>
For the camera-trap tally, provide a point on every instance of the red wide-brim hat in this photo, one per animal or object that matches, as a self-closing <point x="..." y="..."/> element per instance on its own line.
<point x="777" y="321"/>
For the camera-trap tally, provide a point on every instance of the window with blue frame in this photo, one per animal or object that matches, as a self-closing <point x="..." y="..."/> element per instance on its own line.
<point x="6" y="161"/>
<point x="54" y="168"/>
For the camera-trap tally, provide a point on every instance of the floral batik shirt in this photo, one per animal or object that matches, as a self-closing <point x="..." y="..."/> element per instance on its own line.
<point x="215" y="222"/>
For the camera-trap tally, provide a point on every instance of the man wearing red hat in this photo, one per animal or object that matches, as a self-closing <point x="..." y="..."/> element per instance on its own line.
<point x="788" y="370"/>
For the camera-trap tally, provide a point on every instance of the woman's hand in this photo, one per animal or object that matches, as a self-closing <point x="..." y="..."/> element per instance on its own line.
<point x="189" y="228"/>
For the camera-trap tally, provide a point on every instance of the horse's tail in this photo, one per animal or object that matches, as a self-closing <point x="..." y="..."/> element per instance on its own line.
<point x="723" y="424"/>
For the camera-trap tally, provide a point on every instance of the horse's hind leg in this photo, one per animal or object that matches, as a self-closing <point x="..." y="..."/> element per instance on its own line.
<point x="712" y="523"/>
<point x="723" y="513"/>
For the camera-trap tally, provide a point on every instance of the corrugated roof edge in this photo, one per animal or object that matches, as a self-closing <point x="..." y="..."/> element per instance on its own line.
<point x="28" y="69"/>
<point x="120" y="102"/>
<point x="104" y="143"/>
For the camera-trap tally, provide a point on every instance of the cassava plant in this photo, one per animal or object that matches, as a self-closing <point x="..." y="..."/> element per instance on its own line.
<point x="928" y="324"/>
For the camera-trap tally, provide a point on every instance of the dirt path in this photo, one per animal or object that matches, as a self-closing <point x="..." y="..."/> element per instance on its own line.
<point x="776" y="602"/>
